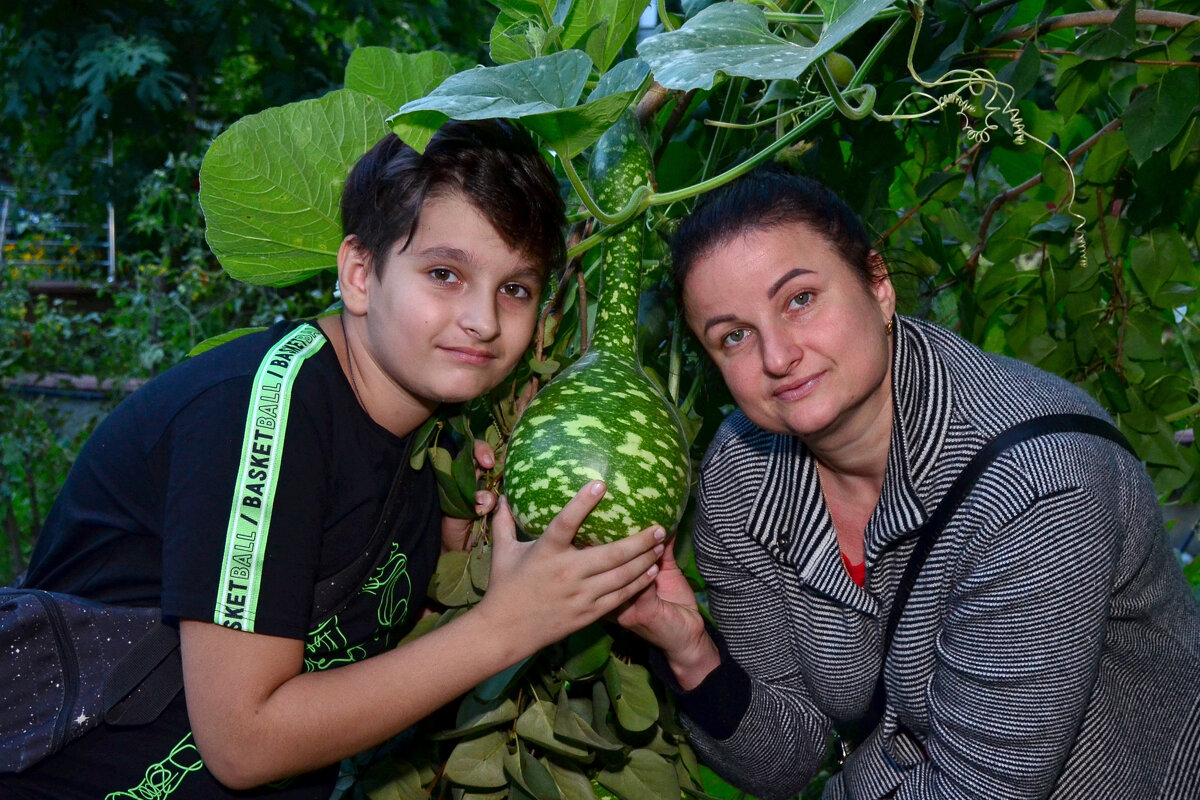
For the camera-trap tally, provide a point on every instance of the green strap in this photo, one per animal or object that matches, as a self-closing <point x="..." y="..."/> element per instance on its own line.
<point x="258" y="471"/>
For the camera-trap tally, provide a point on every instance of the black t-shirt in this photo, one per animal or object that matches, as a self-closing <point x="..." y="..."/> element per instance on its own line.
<point x="225" y="490"/>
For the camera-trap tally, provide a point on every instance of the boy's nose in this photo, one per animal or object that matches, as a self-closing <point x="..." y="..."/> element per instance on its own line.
<point x="480" y="320"/>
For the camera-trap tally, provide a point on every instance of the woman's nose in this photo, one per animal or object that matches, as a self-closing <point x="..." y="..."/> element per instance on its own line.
<point x="779" y="353"/>
<point x="480" y="320"/>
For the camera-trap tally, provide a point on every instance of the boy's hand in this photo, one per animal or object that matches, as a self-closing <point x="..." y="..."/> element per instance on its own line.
<point x="455" y="530"/>
<point x="543" y="590"/>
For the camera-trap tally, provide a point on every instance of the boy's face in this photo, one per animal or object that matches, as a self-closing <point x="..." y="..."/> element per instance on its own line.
<point x="453" y="311"/>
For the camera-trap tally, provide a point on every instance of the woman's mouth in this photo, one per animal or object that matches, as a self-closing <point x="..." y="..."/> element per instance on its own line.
<point x="471" y="355"/>
<point x="798" y="389"/>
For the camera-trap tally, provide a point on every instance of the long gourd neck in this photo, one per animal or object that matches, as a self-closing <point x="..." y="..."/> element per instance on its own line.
<point x="616" y="322"/>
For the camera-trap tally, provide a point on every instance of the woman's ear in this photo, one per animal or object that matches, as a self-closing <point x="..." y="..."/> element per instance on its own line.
<point x="354" y="275"/>
<point x="881" y="284"/>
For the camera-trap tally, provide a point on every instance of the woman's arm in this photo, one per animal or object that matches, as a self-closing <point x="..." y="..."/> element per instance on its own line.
<point x="257" y="718"/>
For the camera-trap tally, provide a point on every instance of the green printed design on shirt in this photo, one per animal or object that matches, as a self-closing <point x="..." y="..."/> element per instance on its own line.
<point x="327" y="646"/>
<point x="258" y="471"/>
<point x="163" y="778"/>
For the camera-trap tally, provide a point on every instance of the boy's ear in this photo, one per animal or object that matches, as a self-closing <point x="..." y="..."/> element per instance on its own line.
<point x="354" y="275"/>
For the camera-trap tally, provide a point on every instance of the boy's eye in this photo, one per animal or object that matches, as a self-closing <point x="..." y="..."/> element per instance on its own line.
<point x="443" y="275"/>
<point x="734" y="337"/>
<point x="801" y="300"/>
<point x="516" y="290"/>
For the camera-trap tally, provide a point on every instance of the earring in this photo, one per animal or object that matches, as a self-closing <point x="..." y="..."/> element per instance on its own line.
<point x="888" y="328"/>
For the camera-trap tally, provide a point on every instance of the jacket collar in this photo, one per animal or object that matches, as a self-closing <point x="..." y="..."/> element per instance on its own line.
<point x="789" y="517"/>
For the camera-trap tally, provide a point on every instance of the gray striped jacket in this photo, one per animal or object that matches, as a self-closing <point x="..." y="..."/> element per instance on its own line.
<point x="1050" y="648"/>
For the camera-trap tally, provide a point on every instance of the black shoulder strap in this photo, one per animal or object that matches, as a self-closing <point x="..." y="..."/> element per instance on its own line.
<point x="959" y="490"/>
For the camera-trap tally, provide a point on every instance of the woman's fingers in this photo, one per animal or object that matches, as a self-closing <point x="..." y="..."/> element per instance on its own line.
<point x="485" y="457"/>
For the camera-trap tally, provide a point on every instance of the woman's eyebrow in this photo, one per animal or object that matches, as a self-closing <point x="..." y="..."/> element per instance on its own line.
<point x="775" y="287"/>
<point x="717" y="321"/>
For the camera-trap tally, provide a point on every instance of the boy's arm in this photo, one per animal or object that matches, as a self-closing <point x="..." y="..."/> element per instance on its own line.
<point x="257" y="718"/>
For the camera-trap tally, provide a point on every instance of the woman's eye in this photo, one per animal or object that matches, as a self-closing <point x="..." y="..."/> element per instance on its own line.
<point x="734" y="337"/>
<point x="443" y="275"/>
<point x="516" y="290"/>
<point x="801" y="300"/>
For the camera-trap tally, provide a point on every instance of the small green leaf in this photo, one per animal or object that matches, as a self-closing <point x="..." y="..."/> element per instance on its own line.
<point x="1156" y="258"/>
<point x="475" y="716"/>
<point x="1112" y="40"/>
<point x="499" y="683"/>
<point x="536" y="724"/>
<point x="602" y="27"/>
<point x="463" y="469"/>
<point x="632" y="696"/>
<point x="480" y="565"/>
<point x="420" y="442"/>
<point x="531" y="774"/>
<point x="647" y="776"/>
<point x="547" y="367"/>
<point x="569" y="726"/>
<point x="479" y="762"/>
<point x="572" y="783"/>
<point x="586" y="652"/>
<point x="454" y="587"/>
<point x="393" y="780"/>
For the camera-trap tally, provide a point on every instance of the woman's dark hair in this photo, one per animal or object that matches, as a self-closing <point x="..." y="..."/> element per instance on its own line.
<point x="492" y="163"/>
<point x="767" y="196"/>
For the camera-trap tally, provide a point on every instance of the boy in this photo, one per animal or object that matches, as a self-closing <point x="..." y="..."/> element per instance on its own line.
<point x="227" y="488"/>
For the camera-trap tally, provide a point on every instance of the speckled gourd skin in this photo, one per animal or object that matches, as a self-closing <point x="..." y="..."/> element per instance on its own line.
<point x="603" y="417"/>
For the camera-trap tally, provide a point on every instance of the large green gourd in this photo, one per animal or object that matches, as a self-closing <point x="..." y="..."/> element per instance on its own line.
<point x="603" y="417"/>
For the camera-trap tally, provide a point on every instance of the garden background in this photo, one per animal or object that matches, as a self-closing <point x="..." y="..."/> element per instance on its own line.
<point x="1075" y="249"/>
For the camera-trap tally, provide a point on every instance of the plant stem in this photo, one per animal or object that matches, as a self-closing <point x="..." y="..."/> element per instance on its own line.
<point x="658" y="199"/>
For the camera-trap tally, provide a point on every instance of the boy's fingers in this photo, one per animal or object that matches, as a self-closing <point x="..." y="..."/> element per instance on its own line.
<point x="566" y="524"/>
<point x="612" y="555"/>
<point x="484" y="456"/>
<point x="504" y="527"/>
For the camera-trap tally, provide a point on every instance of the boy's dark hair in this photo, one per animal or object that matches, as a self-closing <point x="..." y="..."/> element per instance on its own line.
<point x="767" y="196"/>
<point x="492" y="163"/>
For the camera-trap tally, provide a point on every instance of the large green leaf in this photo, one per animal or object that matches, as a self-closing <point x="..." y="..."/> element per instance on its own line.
<point x="731" y="39"/>
<point x="271" y="185"/>
<point x="516" y="90"/>
<point x="542" y="93"/>
<point x="600" y="27"/>
<point x="1158" y="114"/>
<point x="395" y="78"/>
<point x="1157" y="257"/>
<point x="536" y="724"/>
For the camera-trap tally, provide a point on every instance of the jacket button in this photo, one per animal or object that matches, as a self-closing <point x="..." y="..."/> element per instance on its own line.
<point x="783" y="541"/>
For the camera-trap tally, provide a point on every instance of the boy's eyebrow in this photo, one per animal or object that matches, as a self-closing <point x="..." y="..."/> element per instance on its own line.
<point x="442" y="251"/>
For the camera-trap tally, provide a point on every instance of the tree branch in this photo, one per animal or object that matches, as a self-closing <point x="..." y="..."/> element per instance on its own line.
<point x="1083" y="19"/>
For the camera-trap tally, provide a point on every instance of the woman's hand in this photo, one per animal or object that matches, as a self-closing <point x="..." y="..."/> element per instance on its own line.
<point x="456" y="530"/>
<point x="541" y="591"/>
<point x="666" y="615"/>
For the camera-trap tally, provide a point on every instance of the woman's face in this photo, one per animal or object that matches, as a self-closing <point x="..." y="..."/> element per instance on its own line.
<point x="799" y="338"/>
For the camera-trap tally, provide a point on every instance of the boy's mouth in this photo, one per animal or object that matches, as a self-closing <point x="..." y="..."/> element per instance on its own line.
<point x="471" y="355"/>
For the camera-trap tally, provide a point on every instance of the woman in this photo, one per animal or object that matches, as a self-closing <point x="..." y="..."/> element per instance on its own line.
<point x="1050" y="646"/>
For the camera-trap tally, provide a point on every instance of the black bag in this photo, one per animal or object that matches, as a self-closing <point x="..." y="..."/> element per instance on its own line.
<point x="69" y="663"/>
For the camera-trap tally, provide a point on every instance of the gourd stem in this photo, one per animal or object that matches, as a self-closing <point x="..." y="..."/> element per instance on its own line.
<point x="632" y="207"/>
<point x="850" y="112"/>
